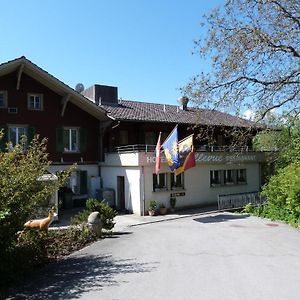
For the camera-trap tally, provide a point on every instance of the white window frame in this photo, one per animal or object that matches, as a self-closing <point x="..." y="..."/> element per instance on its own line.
<point x="232" y="172"/>
<point x="174" y="179"/>
<point x="69" y="141"/>
<point x="4" y="93"/>
<point x="160" y="187"/>
<point x="18" y="134"/>
<point x="213" y="177"/>
<point x="37" y="98"/>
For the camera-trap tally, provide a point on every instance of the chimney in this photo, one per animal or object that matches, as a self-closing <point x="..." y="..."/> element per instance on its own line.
<point x="102" y="94"/>
<point x="183" y="101"/>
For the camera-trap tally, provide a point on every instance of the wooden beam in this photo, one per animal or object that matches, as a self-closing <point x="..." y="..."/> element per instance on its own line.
<point x="19" y="76"/>
<point x="64" y="102"/>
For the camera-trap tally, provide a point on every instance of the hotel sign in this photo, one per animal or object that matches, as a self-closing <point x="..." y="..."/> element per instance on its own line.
<point x="212" y="158"/>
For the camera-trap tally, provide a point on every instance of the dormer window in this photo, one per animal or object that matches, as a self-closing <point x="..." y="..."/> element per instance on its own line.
<point x="35" y="101"/>
<point x="3" y="99"/>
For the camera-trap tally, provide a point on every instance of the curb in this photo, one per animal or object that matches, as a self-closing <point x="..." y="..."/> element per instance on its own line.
<point x="175" y="218"/>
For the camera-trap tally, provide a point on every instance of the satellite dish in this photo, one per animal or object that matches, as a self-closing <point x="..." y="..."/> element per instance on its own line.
<point x="79" y="87"/>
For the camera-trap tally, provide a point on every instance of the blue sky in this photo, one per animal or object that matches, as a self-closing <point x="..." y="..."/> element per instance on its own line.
<point x="144" y="47"/>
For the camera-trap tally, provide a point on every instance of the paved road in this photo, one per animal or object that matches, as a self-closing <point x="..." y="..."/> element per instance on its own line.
<point x="218" y="256"/>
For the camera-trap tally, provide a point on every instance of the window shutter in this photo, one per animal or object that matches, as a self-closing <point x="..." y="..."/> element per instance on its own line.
<point x="31" y="134"/>
<point x="83" y="139"/>
<point x="59" y="139"/>
<point x="4" y="139"/>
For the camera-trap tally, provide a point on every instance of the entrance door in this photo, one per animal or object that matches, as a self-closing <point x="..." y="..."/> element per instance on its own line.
<point x="121" y="192"/>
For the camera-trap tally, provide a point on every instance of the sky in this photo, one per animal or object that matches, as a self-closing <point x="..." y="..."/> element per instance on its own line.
<point x="144" y="47"/>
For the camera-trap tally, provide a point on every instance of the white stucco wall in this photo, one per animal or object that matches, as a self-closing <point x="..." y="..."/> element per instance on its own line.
<point x="132" y="177"/>
<point x="197" y="185"/>
<point x="138" y="177"/>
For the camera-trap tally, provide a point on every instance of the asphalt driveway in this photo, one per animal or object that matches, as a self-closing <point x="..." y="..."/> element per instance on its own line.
<point x="212" y="256"/>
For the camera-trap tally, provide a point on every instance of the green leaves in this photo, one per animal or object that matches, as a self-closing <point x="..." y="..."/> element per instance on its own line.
<point x="21" y="194"/>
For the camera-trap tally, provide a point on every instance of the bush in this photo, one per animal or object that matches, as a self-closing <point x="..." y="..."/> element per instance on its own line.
<point x="107" y="213"/>
<point x="22" y="258"/>
<point x="21" y="194"/>
<point x="283" y="195"/>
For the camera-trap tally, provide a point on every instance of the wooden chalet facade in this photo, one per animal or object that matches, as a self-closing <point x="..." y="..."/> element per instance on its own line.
<point x="113" y="141"/>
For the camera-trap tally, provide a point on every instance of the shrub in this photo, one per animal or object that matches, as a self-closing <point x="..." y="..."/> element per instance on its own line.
<point x="107" y="213"/>
<point x="21" y="194"/>
<point x="22" y="258"/>
<point x="283" y="195"/>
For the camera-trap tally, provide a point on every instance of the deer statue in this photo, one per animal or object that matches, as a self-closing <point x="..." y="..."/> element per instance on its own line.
<point x="41" y="224"/>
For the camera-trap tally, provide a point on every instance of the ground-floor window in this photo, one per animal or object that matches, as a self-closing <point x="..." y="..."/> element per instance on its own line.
<point x="177" y="181"/>
<point x="15" y="134"/>
<point x="167" y="181"/>
<point x="159" y="182"/>
<point x="227" y="177"/>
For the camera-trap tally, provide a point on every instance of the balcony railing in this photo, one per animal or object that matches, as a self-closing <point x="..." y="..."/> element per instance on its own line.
<point x="201" y="148"/>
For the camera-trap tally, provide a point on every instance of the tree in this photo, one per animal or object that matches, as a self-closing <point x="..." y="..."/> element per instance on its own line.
<point x="285" y="142"/>
<point x="254" y="46"/>
<point x="21" y="194"/>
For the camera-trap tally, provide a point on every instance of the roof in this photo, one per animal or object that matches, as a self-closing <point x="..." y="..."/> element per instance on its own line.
<point x="153" y="112"/>
<point x="52" y="83"/>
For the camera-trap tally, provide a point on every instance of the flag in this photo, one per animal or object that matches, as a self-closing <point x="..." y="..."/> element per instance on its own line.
<point x="157" y="155"/>
<point x="186" y="155"/>
<point x="170" y="146"/>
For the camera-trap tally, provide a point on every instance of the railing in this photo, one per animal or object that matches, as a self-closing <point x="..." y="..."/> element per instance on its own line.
<point x="135" y="148"/>
<point x="202" y="148"/>
<point x="239" y="200"/>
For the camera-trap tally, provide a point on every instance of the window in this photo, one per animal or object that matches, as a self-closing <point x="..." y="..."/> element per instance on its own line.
<point x="35" y="101"/>
<point x="159" y="182"/>
<point x="215" y="177"/>
<point x="71" y="139"/>
<point x="177" y="182"/>
<point x="241" y="176"/>
<point x="3" y="99"/>
<point x="229" y="177"/>
<point x="15" y="134"/>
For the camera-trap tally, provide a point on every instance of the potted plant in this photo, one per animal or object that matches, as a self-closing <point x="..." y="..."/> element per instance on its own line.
<point x="162" y="209"/>
<point x="172" y="204"/>
<point x="152" y="208"/>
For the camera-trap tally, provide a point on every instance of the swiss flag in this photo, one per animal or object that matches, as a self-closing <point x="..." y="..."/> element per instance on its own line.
<point x="157" y="155"/>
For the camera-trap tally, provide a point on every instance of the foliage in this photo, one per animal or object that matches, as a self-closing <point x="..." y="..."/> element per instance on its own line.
<point x="21" y="192"/>
<point x="152" y="205"/>
<point x="285" y="141"/>
<point x="254" y="50"/>
<point x="107" y="213"/>
<point x="20" y="259"/>
<point x="35" y="248"/>
<point x="249" y="208"/>
<point x="283" y="195"/>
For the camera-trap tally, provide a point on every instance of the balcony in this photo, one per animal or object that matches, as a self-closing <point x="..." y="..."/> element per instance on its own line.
<point x="198" y="148"/>
<point x="144" y="155"/>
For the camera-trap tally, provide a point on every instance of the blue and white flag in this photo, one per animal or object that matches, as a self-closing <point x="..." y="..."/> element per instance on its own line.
<point x="170" y="147"/>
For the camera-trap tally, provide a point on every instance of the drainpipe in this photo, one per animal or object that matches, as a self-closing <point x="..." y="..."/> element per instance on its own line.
<point x="143" y="190"/>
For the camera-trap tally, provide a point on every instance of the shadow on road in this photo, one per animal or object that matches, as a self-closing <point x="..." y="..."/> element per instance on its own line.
<point x="222" y="217"/>
<point x="70" y="278"/>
